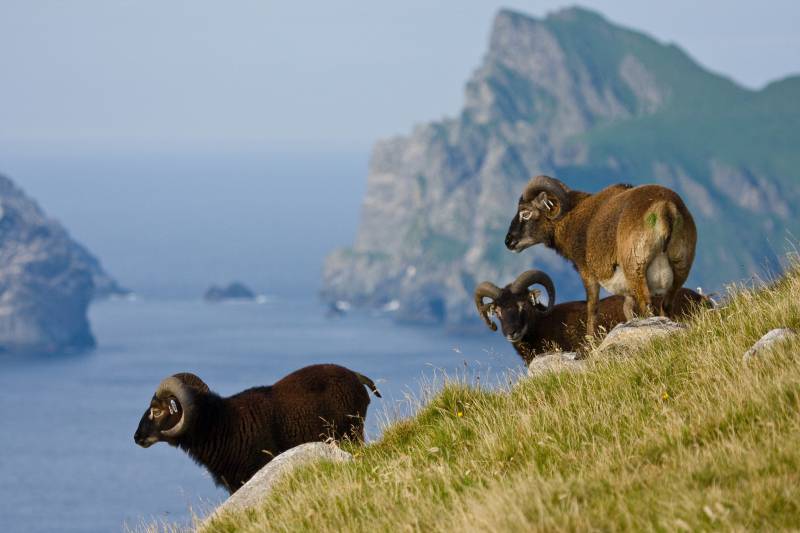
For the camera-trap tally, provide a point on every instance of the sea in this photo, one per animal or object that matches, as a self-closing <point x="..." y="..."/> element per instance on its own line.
<point x="167" y="225"/>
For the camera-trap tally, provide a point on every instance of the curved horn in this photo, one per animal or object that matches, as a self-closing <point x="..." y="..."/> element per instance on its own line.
<point x="173" y="386"/>
<point x="534" y="277"/>
<point x="486" y="289"/>
<point x="187" y="378"/>
<point x="548" y="185"/>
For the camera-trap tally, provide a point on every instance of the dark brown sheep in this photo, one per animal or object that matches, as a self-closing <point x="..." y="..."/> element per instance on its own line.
<point x="533" y="328"/>
<point x="637" y="242"/>
<point x="236" y="436"/>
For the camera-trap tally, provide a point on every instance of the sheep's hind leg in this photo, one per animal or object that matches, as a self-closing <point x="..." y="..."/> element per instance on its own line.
<point x="641" y="292"/>
<point x="680" y="271"/>
<point x="644" y="304"/>
<point x="628" y="308"/>
<point x="592" y="297"/>
<point x="668" y="303"/>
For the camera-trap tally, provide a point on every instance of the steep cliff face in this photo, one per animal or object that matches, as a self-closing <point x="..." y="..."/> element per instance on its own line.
<point x="46" y="279"/>
<point x="591" y="103"/>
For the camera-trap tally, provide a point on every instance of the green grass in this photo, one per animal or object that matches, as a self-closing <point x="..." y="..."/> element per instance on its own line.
<point x="679" y="436"/>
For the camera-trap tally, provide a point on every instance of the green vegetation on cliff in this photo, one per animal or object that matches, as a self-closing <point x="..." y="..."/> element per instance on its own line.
<point x="592" y="103"/>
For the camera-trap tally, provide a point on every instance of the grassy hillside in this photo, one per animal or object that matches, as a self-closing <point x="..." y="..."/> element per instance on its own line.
<point x="682" y="435"/>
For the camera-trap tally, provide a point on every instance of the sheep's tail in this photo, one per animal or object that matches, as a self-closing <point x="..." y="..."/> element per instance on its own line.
<point x="665" y="219"/>
<point x="369" y="383"/>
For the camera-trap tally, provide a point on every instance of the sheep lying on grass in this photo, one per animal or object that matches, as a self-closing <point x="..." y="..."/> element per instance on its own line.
<point x="533" y="328"/>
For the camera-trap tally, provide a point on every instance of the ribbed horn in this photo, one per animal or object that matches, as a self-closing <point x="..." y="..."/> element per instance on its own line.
<point x="549" y="185"/>
<point x="486" y="289"/>
<point x="173" y="386"/>
<point x="536" y="277"/>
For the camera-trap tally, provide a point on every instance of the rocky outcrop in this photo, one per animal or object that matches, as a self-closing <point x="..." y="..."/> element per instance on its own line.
<point x="623" y="338"/>
<point x="46" y="279"/>
<point x="770" y="341"/>
<point x="556" y="362"/>
<point x="260" y="485"/>
<point x="103" y="285"/>
<point x="574" y="96"/>
<point x="635" y="333"/>
<point x="233" y="291"/>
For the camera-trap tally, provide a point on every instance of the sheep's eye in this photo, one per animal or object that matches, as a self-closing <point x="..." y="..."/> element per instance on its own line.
<point x="156" y="413"/>
<point x="525" y="215"/>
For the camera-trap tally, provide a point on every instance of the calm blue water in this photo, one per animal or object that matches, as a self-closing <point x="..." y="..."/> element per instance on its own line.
<point x="167" y="226"/>
<point x="69" y="462"/>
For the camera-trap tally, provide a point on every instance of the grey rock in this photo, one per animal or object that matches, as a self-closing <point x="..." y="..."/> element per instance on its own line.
<point x="768" y="342"/>
<point x="252" y="493"/>
<point x="556" y="362"/>
<point x="574" y="96"/>
<point x="46" y="279"/>
<point x="103" y="285"/>
<point x="233" y="291"/>
<point x="635" y="333"/>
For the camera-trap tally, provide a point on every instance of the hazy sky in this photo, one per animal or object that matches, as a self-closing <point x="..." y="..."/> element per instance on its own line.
<point x="133" y="74"/>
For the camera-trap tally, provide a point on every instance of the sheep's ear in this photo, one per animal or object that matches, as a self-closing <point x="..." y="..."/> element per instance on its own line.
<point x="534" y="296"/>
<point x="547" y="204"/>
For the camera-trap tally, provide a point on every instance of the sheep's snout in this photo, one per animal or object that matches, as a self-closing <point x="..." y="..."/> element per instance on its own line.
<point x="511" y="242"/>
<point x="144" y="442"/>
<point x="146" y="434"/>
<point x="515" y="235"/>
<point x="156" y="419"/>
<point x="517" y="335"/>
<point x="513" y="317"/>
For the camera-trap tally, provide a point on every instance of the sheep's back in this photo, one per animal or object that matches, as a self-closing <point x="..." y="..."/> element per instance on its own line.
<point x="688" y="302"/>
<point x="319" y="401"/>
<point x="566" y="324"/>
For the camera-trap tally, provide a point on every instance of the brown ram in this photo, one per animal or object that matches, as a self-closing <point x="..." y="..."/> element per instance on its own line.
<point x="637" y="242"/>
<point x="234" y="437"/>
<point x="533" y="328"/>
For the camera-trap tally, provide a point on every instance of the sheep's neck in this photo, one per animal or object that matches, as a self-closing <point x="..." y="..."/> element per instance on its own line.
<point x="567" y="230"/>
<point x="208" y="444"/>
<point x="524" y="350"/>
<point x="569" y="235"/>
